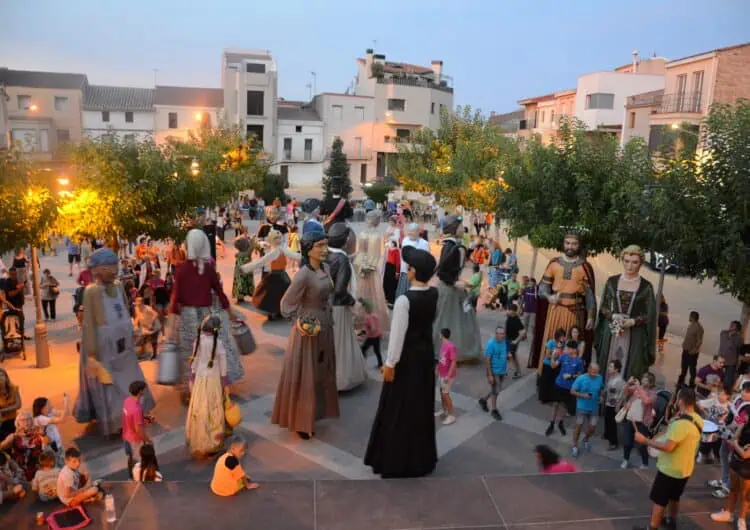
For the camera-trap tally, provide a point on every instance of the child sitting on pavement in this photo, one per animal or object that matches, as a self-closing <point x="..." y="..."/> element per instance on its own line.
<point x="229" y="478"/>
<point x="73" y="480"/>
<point x="45" y="479"/>
<point x="11" y="484"/>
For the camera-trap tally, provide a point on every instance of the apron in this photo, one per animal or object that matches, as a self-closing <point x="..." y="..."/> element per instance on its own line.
<point x="115" y="345"/>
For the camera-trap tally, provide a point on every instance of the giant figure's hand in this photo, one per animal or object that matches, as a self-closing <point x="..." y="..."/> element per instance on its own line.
<point x="590" y="323"/>
<point x="388" y="373"/>
<point x="553" y="299"/>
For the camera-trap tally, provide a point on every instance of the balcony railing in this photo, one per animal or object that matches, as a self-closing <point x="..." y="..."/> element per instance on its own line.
<point x="527" y="125"/>
<point x="680" y="102"/>
<point x="645" y="99"/>
<point x="418" y="82"/>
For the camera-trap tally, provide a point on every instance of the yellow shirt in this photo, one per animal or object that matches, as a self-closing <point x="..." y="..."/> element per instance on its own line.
<point x="294" y="242"/>
<point x="227" y="481"/>
<point x="681" y="461"/>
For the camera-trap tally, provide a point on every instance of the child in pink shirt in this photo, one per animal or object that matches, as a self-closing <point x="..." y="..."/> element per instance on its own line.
<point x="372" y="332"/>
<point x="134" y="423"/>
<point x="446" y="371"/>
<point x="550" y="462"/>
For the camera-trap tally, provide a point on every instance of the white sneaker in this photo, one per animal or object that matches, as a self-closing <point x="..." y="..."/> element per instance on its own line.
<point x="624" y="464"/>
<point x="699" y="459"/>
<point x="723" y="517"/>
<point x="449" y="420"/>
<point x="439" y="413"/>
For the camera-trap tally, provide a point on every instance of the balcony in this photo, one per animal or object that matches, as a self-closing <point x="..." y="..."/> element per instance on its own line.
<point x="689" y="102"/>
<point x="646" y="100"/>
<point x="527" y="125"/>
<point x="443" y="85"/>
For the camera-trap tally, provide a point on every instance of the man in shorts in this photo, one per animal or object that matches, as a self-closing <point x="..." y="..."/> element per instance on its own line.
<point x="496" y="360"/>
<point x="74" y="256"/>
<point x="586" y="389"/>
<point x="676" y="460"/>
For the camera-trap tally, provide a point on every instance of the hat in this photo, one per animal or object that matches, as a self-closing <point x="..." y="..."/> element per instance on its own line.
<point x="451" y="224"/>
<point x="337" y="235"/>
<point x="422" y="262"/>
<point x="103" y="256"/>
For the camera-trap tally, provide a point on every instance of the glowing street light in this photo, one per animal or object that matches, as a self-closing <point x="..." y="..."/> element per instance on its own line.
<point x="195" y="167"/>
<point x="675" y="126"/>
<point x="63" y="181"/>
<point x="198" y="116"/>
<point x="33" y="107"/>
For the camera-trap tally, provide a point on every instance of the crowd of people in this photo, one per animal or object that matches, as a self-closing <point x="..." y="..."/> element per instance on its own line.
<point x="343" y="292"/>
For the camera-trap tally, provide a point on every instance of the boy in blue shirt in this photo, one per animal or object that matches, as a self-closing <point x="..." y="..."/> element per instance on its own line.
<point x="571" y="366"/>
<point x="496" y="360"/>
<point x="586" y="389"/>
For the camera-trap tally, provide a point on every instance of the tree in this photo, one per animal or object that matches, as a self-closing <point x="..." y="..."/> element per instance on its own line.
<point x="336" y="181"/>
<point x="461" y="162"/>
<point x="273" y="188"/>
<point x="378" y="192"/>
<point x="28" y="207"/>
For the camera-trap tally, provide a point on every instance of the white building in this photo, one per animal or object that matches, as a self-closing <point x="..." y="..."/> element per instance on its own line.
<point x="178" y="110"/>
<point x="300" y="153"/>
<point x="123" y="111"/>
<point x="250" y="85"/>
<point x="601" y="96"/>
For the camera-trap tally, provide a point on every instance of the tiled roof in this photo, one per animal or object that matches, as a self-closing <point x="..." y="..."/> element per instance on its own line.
<point x="294" y="113"/>
<point x="183" y="96"/>
<point x="717" y="50"/>
<point x="98" y="97"/>
<point x="27" y="78"/>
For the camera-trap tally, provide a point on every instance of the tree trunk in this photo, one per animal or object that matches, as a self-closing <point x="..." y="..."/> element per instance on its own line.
<point x="515" y="246"/>
<point x="534" y="254"/>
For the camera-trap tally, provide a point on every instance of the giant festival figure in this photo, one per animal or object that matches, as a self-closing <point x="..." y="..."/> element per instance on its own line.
<point x="566" y="298"/>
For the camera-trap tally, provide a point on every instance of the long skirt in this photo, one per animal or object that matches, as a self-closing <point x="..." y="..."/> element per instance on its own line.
<point x="403" y="284"/>
<point x="190" y="319"/>
<point x="463" y="325"/>
<point x="270" y="291"/>
<point x="243" y="284"/>
<point x="204" y="425"/>
<point x="307" y="387"/>
<point x="547" y="393"/>
<point x="370" y="290"/>
<point x="389" y="282"/>
<point x="350" y="364"/>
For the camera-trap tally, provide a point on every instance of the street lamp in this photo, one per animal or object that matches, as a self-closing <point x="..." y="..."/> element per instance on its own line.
<point x="63" y="181"/>
<point x="198" y="116"/>
<point x="195" y="167"/>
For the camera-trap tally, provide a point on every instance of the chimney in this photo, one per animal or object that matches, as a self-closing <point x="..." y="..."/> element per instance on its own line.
<point x="635" y="61"/>
<point x="437" y="69"/>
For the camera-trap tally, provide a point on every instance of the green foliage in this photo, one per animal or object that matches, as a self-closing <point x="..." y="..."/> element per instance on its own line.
<point x="378" y="192"/>
<point x="461" y="161"/>
<point x="336" y="180"/>
<point x="273" y="188"/>
<point x="28" y="207"/>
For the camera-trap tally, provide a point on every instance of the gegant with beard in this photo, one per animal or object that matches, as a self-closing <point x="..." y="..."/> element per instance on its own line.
<point x="566" y="298"/>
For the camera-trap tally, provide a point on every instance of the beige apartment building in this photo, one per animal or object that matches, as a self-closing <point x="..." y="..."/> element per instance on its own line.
<point x="692" y="85"/>
<point x="544" y="114"/>
<point x="41" y="110"/>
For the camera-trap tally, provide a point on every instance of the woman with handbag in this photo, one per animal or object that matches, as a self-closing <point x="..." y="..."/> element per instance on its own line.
<point x="307" y="387"/>
<point x="739" y="479"/>
<point x="50" y="290"/>
<point x="204" y="425"/>
<point x="638" y="415"/>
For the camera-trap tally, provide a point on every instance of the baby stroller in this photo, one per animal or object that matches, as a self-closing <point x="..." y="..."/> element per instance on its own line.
<point x="10" y="328"/>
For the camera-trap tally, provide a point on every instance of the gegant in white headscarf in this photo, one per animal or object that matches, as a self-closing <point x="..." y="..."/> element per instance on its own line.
<point x="198" y="248"/>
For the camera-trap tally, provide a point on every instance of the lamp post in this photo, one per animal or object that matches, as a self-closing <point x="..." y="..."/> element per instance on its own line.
<point x="41" y="345"/>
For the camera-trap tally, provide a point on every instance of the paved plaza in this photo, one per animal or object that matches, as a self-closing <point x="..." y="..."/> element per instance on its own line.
<point x="485" y="477"/>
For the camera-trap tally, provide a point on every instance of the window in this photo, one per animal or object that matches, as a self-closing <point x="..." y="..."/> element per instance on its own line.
<point x="105" y="116"/>
<point x="432" y="108"/>
<point x="681" y="89"/>
<point x="255" y="103"/>
<point x="287" y="148"/>
<point x="24" y="102"/>
<point x="26" y="138"/>
<point x="63" y="135"/>
<point x="600" y="101"/>
<point x="403" y="135"/>
<point x="172" y="120"/>
<point x="359" y="113"/>
<point x="358" y="146"/>
<point x="363" y="173"/>
<point x="442" y="108"/>
<point x="396" y="104"/>
<point x="61" y="103"/>
<point x="255" y="68"/>
<point x="308" y="149"/>
<point x="536" y="119"/>
<point x="552" y="117"/>
<point x="298" y="128"/>
<point x="255" y="131"/>
<point x="632" y="120"/>
<point x="542" y="120"/>
<point x="284" y="170"/>
<point x="129" y="138"/>
<point x="698" y="90"/>
<point x="337" y="111"/>
<point x="128" y="117"/>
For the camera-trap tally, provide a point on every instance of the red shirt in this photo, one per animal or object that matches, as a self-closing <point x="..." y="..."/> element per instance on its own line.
<point x="132" y="417"/>
<point x="84" y="277"/>
<point x="394" y="257"/>
<point x="563" y="466"/>
<point x="372" y="326"/>
<point x="193" y="289"/>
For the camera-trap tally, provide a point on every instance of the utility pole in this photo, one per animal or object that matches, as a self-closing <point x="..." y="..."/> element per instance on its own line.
<point x="40" y="329"/>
